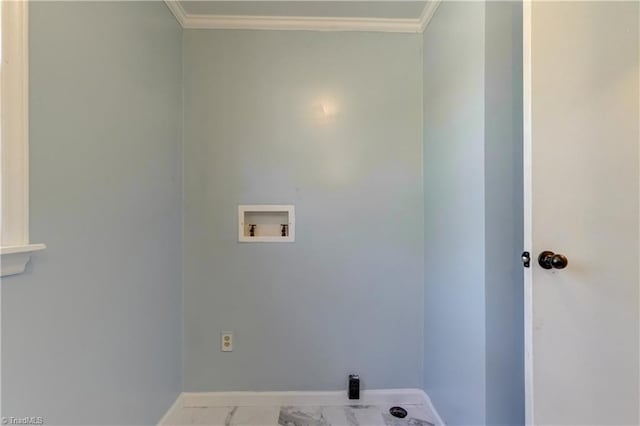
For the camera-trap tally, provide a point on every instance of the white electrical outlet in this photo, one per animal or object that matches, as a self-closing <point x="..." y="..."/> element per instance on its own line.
<point x="226" y="341"/>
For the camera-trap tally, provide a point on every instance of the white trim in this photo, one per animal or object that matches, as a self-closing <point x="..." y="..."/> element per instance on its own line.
<point x="427" y="13"/>
<point x="303" y="398"/>
<point x="177" y="405"/>
<point x="15" y="249"/>
<point x="15" y="124"/>
<point x="528" y="212"/>
<point x="302" y="23"/>
<point x="14" y="259"/>
<point x="427" y="401"/>
<point x="178" y="11"/>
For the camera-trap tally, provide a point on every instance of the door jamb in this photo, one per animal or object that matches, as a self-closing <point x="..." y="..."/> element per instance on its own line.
<point x="528" y="212"/>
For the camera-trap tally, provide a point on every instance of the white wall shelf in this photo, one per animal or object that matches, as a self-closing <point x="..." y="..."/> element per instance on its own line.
<point x="14" y="259"/>
<point x="266" y="223"/>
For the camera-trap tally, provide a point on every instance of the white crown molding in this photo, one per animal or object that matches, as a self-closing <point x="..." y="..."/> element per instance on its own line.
<point x="427" y="13"/>
<point x="178" y="11"/>
<point x="302" y="23"/>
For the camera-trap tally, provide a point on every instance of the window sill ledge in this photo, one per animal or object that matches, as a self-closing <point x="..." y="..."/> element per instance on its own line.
<point x="13" y="259"/>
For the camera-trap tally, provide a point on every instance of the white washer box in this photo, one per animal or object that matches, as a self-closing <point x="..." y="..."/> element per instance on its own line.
<point x="268" y="221"/>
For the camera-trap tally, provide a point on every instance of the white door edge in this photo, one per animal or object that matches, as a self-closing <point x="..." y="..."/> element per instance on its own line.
<point x="639" y="217"/>
<point x="528" y="213"/>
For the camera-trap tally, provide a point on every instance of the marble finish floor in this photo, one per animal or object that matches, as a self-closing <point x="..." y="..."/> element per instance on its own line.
<point x="352" y="415"/>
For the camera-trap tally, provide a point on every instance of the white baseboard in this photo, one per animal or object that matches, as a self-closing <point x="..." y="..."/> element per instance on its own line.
<point x="177" y="405"/>
<point x="302" y="398"/>
<point x="383" y="397"/>
<point x="432" y="408"/>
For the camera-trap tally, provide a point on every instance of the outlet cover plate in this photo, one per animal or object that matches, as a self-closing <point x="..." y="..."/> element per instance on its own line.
<point x="226" y="341"/>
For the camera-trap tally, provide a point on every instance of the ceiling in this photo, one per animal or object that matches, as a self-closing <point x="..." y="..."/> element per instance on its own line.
<point x="308" y="9"/>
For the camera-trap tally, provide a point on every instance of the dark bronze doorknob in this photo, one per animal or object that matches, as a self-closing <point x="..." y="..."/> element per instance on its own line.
<point x="550" y="260"/>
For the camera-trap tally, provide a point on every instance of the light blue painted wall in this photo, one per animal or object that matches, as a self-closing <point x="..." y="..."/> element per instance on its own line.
<point x="504" y="214"/>
<point x="92" y="331"/>
<point x="104" y="299"/>
<point x="347" y="296"/>
<point x="473" y="212"/>
<point x="454" y="212"/>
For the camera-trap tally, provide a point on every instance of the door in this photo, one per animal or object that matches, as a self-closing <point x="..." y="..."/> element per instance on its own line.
<point x="582" y="119"/>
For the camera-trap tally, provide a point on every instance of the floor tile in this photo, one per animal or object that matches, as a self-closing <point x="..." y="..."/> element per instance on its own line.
<point x="302" y="416"/>
<point x="212" y="416"/>
<point x="351" y="415"/>
<point x="255" y="416"/>
<point x="418" y="412"/>
<point x="364" y="415"/>
<point x="417" y="415"/>
<point x="336" y="416"/>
